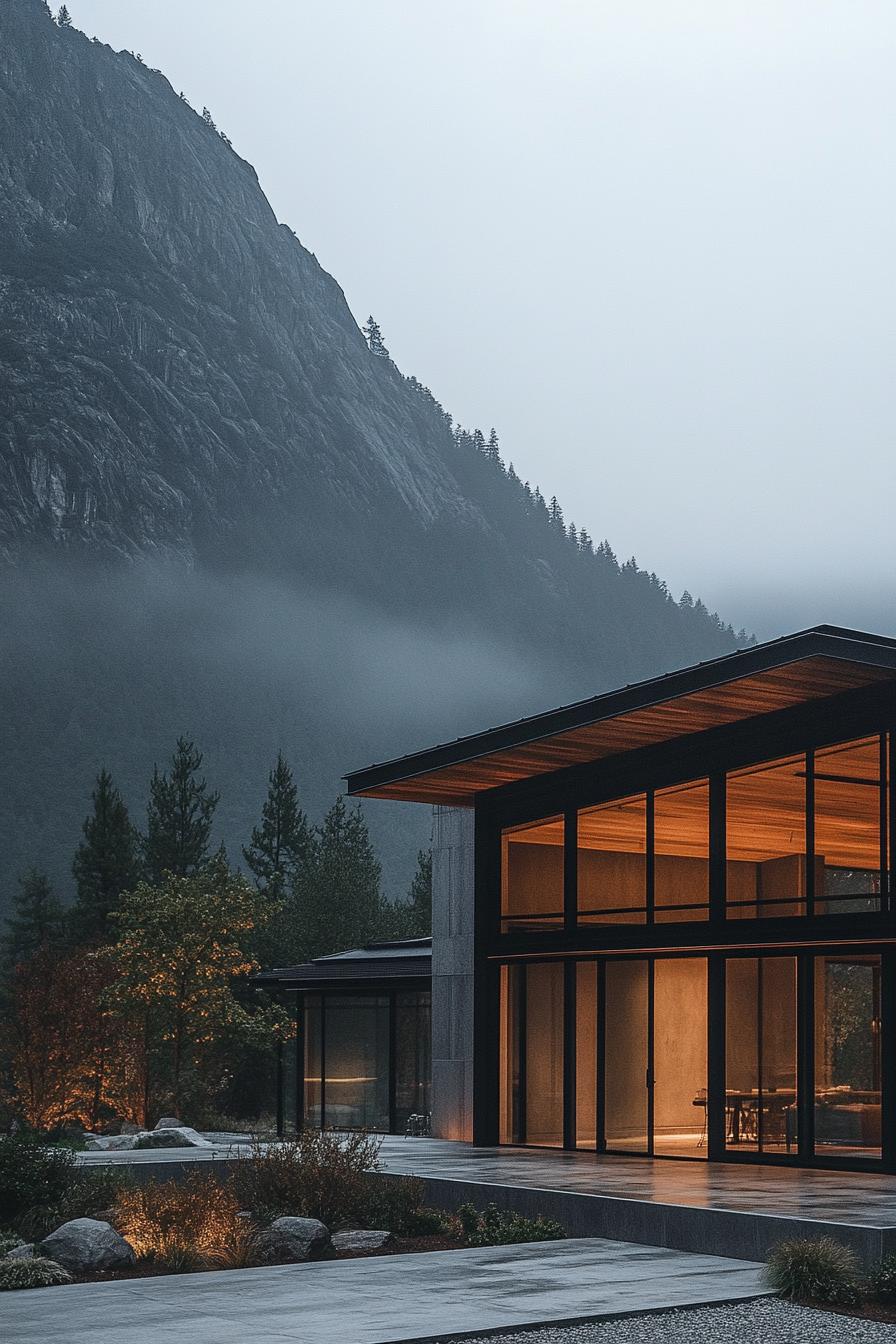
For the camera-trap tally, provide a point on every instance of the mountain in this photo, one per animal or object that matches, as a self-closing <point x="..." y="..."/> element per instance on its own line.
<point x="224" y="512"/>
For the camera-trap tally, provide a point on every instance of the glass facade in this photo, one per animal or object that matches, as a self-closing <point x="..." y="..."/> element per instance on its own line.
<point x="351" y="1080"/>
<point x="612" y="862"/>
<point x="849" y="824"/>
<point x="765" y="828"/>
<point x="532" y="875"/>
<point x="761" y="1054"/>
<point x="681" y="853"/>
<point x="847" y="1101"/>
<point x="745" y="1031"/>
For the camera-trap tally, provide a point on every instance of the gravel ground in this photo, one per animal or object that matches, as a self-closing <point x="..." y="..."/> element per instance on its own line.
<point x="765" y="1321"/>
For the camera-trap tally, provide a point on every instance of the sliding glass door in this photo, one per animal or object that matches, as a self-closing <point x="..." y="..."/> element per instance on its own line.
<point x="612" y="1054"/>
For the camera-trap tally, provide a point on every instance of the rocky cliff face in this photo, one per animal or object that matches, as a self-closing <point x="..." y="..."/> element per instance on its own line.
<point x="174" y="359"/>
<point x="219" y="511"/>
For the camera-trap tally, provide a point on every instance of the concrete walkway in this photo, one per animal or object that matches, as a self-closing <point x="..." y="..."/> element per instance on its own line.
<point x="382" y="1300"/>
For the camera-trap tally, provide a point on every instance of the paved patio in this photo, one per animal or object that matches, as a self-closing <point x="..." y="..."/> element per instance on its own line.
<point x="383" y="1300"/>
<point x="739" y="1211"/>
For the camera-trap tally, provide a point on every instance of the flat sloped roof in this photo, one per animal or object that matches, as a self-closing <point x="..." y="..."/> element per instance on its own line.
<point x="781" y="674"/>
<point x="409" y="958"/>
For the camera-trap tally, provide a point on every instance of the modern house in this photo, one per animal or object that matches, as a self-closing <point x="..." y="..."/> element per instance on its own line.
<point x="360" y="1058"/>
<point x="664" y="918"/>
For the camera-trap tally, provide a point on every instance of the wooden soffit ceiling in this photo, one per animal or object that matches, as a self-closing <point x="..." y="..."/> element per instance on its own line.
<point x="454" y="774"/>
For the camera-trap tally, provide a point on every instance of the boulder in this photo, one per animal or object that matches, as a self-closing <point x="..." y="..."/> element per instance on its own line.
<point x="109" y="1143"/>
<point x="169" y="1122"/>
<point x="291" y="1240"/>
<point x="180" y="1137"/>
<point x="85" y="1245"/>
<point x="23" y="1252"/>
<point x="360" y="1240"/>
<point x="128" y="1127"/>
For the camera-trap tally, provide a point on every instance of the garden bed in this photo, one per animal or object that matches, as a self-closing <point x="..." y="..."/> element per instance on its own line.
<point x="303" y="1201"/>
<point x="398" y="1246"/>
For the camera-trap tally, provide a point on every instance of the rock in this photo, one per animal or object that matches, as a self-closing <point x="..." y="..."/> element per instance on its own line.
<point x="110" y="1143"/>
<point x="85" y="1245"/>
<point x="180" y="1137"/>
<point x="23" y="1252"/>
<point x="292" y="1240"/>
<point x="360" y="1240"/>
<point x="169" y="1122"/>
<point x="128" y="1127"/>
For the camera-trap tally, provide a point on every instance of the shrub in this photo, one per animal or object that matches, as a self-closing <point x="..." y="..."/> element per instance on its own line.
<point x="89" y="1191"/>
<point x="178" y="1258"/>
<point x="238" y="1247"/>
<point x="317" y="1174"/>
<point x="497" y="1227"/>
<point x="35" y="1273"/>
<point x="182" y="1225"/>
<point x="394" y="1203"/>
<point x="32" y="1176"/>
<point x="883" y="1279"/>
<point x="810" y="1270"/>
<point x="8" y="1242"/>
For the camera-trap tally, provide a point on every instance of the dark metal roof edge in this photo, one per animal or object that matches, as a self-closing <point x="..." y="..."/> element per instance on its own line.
<point x="314" y="977"/>
<point x="818" y="641"/>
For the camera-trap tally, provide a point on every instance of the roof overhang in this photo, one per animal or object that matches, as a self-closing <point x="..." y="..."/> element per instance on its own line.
<point x="782" y="674"/>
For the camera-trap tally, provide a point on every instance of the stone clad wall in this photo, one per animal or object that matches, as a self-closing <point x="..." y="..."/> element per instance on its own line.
<point x="452" y="973"/>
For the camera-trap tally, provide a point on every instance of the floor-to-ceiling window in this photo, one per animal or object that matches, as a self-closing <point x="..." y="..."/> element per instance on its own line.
<point x="532" y="876"/>
<point x="314" y="1065"/>
<point x="681" y="853"/>
<point x="848" y="810"/>
<point x="626" y="1045"/>
<point x="612" y="862"/>
<point x="413" y="1055"/>
<point x="847" y="1030"/>
<point x="679" y="1070"/>
<point x="367" y="1059"/>
<point x="356" y="1035"/>
<point x="531" y="1054"/>
<point x="761" y="1054"/>
<point x="766" y="838"/>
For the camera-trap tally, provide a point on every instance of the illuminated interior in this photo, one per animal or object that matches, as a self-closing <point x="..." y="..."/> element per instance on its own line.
<point x="532" y="875"/>
<point x="802" y="835"/>
<point x="352" y="1079"/>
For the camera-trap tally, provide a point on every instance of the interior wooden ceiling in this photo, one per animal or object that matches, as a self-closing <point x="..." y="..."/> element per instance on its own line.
<point x="456" y="784"/>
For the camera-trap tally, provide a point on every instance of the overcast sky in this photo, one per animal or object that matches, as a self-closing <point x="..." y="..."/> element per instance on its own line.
<point x="652" y="243"/>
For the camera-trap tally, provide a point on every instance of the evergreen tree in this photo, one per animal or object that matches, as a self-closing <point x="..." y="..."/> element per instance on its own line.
<point x="339" y="904"/>
<point x="492" y="449"/>
<point x="555" y="513"/>
<point x="375" y="338"/>
<point x="37" y="922"/>
<point x="281" y="847"/>
<point x="420" y="897"/>
<point x="179" y="816"/>
<point x="479" y="441"/>
<point x="105" y="862"/>
<point x="63" y="18"/>
<point x="207" y="118"/>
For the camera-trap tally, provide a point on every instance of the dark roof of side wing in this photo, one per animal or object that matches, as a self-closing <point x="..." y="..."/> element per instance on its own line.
<point x="782" y="673"/>
<point x="407" y="959"/>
